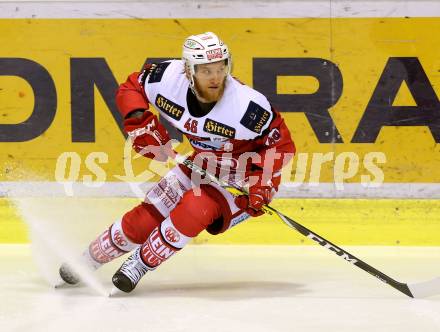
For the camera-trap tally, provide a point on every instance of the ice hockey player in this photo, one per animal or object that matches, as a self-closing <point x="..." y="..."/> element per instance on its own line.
<point x="221" y="117"/>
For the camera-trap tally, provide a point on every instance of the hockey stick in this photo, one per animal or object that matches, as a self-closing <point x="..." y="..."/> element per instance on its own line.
<point x="414" y="290"/>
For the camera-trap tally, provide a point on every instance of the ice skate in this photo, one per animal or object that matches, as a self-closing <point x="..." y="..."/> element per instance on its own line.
<point x="130" y="272"/>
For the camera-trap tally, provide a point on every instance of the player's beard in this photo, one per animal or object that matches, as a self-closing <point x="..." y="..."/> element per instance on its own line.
<point x="208" y="95"/>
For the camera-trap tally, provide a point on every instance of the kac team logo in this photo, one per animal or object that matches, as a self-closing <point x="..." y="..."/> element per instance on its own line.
<point x="214" y="54"/>
<point x="172" y="235"/>
<point x="119" y="239"/>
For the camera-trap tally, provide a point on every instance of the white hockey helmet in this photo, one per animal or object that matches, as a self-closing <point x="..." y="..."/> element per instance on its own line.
<point x="204" y="48"/>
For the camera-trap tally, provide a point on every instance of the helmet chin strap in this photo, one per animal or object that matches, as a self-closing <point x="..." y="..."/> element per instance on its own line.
<point x="192" y="83"/>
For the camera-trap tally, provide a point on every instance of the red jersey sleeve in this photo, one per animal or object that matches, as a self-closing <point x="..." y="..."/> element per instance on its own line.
<point x="277" y="148"/>
<point x="130" y="95"/>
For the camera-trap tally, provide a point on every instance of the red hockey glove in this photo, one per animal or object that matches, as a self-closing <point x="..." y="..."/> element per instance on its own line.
<point x="148" y="136"/>
<point x="258" y="196"/>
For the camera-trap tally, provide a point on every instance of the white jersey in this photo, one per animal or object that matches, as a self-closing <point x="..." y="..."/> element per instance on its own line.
<point x="241" y="114"/>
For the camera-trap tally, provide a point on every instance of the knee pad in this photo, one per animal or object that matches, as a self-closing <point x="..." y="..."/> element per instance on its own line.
<point x="138" y="223"/>
<point x="194" y="213"/>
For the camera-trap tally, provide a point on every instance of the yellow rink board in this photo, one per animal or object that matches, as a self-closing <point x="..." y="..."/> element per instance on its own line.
<point x="342" y="221"/>
<point x="359" y="47"/>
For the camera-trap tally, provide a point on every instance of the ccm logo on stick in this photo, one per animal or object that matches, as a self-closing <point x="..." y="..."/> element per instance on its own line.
<point x="327" y="245"/>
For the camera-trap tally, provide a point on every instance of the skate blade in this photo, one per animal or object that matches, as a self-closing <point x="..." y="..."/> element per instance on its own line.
<point x="114" y="291"/>
<point x="60" y="284"/>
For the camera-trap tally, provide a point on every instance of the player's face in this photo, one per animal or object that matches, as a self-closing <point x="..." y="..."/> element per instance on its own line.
<point x="210" y="81"/>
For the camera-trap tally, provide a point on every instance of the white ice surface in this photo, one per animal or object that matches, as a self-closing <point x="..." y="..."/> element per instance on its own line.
<point x="228" y="288"/>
